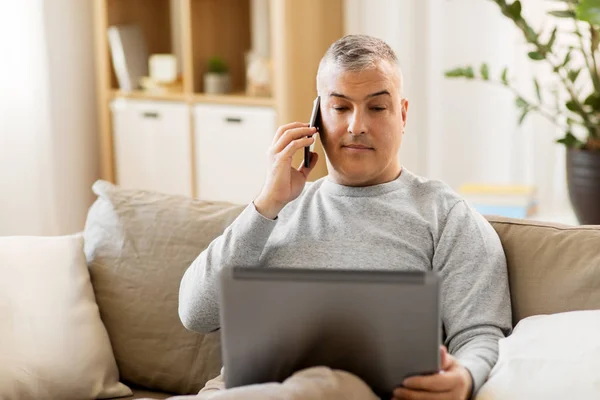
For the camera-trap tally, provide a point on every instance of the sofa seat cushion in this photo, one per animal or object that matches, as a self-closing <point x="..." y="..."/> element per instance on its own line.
<point x="138" y="246"/>
<point x="552" y="268"/>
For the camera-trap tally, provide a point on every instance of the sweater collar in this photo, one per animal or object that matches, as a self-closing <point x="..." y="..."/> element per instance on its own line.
<point x="335" y="189"/>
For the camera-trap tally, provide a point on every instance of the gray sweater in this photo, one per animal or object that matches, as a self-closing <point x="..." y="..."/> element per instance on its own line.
<point x="410" y="223"/>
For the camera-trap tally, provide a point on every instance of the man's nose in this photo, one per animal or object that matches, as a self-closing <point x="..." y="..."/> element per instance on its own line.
<point x="357" y="125"/>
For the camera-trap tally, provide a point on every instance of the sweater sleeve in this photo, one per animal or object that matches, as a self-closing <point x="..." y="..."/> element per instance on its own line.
<point x="241" y="244"/>
<point x="476" y="310"/>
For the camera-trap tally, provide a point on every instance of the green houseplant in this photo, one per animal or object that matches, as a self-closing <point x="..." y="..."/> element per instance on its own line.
<point x="217" y="79"/>
<point x="575" y="70"/>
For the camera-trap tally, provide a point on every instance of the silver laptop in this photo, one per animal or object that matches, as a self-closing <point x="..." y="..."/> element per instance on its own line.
<point x="382" y="326"/>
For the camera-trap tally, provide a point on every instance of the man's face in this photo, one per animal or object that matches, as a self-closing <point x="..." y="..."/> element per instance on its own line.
<point x="363" y="119"/>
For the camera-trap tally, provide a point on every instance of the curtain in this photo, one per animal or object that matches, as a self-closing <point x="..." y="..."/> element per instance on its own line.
<point x="48" y="151"/>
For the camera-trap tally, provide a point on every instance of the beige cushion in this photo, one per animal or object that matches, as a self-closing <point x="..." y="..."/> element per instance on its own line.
<point x="53" y="344"/>
<point x="552" y="268"/>
<point x="139" y="245"/>
<point x="550" y="357"/>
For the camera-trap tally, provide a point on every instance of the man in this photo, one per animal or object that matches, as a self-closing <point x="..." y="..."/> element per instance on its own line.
<point x="369" y="212"/>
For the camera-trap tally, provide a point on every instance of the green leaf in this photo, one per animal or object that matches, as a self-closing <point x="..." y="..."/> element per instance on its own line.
<point x="571" y="106"/>
<point x="589" y="11"/>
<point x="469" y="72"/>
<point x="515" y="9"/>
<point x="573" y="74"/>
<point x="455" y="73"/>
<point x="552" y="39"/>
<point x="566" y="60"/>
<point x="562" y="13"/>
<point x="570" y="140"/>
<point x="593" y="100"/>
<point x="534" y="55"/>
<point x="504" y="76"/>
<point x="485" y="72"/>
<point x="538" y="92"/>
<point x="521" y="102"/>
<point x="217" y="65"/>
<point x="523" y="115"/>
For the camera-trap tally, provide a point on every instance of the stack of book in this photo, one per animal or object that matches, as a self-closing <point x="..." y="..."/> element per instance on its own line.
<point x="514" y="201"/>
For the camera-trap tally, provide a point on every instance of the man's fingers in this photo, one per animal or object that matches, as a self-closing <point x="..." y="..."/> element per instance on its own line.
<point x="290" y="135"/>
<point x="283" y="128"/>
<point x="449" y="382"/>
<point x="441" y="382"/>
<point x="293" y="146"/>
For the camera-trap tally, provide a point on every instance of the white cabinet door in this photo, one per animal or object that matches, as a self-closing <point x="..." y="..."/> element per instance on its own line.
<point x="152" y="142"/>
<point x="231" y="144"/>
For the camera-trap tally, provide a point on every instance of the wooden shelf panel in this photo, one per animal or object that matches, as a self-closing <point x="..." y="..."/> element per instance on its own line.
<point x="141" y="95"/>
<point x="237" y="99"/>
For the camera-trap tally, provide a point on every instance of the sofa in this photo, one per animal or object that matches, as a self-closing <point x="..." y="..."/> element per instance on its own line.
<point x="132" y="254"/>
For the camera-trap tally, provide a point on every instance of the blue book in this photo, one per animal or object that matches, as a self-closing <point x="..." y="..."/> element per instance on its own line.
<point x="504" y="211"/>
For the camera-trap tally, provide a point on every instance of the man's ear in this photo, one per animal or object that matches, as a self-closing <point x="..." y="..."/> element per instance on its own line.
<point x="404" y="103"/>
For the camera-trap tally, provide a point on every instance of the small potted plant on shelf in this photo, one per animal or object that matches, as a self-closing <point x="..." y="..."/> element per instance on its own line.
<point x="217" y="79"/>
<point x="579" y="116"/>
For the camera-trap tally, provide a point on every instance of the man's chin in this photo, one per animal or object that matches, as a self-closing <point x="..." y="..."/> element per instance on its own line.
<point x="354" y="176"/>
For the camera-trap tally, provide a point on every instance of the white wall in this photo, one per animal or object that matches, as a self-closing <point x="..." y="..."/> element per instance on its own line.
<point x="48" y="139"/>
<point x="394" y="21"/>
<point x="461" y="131"/>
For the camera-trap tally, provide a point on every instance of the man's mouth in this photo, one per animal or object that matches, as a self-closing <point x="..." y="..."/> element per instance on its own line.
<point x="358" y="147"/>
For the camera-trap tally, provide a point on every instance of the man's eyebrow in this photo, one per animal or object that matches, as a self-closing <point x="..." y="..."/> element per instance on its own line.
<point x="336" y="94"/>
<point x="343" y="96"/>
<point x="379" y="93"/>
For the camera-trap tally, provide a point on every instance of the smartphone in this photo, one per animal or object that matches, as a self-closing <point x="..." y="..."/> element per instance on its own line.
<point x="315" y="120"/>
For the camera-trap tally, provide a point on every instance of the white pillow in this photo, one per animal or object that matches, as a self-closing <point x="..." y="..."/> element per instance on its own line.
<point x="548" y="357"/>
<point x="53" y="344"/>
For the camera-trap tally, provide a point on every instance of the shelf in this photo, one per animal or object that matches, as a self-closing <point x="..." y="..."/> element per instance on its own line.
<point x="152" y="16"/>
<point x="220" y="28"/>
<point x="141" y="95"/>
<point x="234" y="99"/>
<point x="197" y="30"/>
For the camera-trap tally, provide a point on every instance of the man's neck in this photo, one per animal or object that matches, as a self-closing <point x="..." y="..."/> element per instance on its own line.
<point x="371" y="181"/>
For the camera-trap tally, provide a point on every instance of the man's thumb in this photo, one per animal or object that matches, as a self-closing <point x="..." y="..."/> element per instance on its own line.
<point x="447" y="359"/>
<point x="313" y="161"/>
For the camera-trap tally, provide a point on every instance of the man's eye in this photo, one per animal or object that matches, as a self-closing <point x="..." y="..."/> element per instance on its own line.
<point x="340" y="108"/>
<point x="377" y="108"/>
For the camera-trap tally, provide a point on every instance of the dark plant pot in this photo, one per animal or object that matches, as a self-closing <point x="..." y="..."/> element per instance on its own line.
<point x="583" y="178"/>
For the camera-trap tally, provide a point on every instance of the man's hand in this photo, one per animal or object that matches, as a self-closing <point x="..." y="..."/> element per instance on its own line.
<point x="454" y="382"/>
<point x="284" y="183"/>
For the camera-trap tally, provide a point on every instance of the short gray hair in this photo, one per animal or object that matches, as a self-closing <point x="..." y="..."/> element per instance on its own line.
<point x="357" y="53"/>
